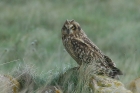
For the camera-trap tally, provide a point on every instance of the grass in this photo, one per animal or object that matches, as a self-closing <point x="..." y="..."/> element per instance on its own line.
<point x="30" y="34"/>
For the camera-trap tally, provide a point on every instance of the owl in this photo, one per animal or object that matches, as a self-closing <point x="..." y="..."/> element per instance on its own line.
<point x="84" y="51"/>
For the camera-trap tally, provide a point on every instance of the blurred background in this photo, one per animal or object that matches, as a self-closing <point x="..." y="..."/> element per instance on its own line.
<point x="30" y="34"/>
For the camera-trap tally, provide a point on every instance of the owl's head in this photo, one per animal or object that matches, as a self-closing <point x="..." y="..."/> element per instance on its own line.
<point x="70" y="27"/>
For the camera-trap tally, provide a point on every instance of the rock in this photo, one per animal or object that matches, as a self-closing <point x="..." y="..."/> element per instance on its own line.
<point x="135" y="86"/>
<point x="72" y="82"/>
<point x="68" y="81"/>
<point x="8" y="84"/>
<point x="29" y="82"/>
<point x="104" y="84"/>
<point x="82" y="80"/>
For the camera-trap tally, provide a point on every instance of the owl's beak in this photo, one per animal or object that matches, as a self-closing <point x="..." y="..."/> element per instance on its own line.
<point x="69" y="31"/>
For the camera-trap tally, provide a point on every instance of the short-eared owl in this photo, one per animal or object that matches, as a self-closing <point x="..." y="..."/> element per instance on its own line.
<point x="84" y="51"/>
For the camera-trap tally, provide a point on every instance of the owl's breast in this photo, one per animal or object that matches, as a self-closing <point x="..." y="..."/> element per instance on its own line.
<point x="66" y="41"/>
<point x="68" y="44"/>
<point x="83" y="53"/>
<point x="79" y="51"/>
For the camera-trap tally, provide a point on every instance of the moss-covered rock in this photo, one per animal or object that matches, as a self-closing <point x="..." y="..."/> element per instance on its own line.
<point x="8" y="84"/>
<point x="104" y="84"/>
<point x="81" y="80"/>
<point x="27" y="79"/>
<point x="135" y="85"/>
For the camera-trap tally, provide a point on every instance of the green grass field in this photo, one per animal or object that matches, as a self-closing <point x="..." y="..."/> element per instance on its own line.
<point x="30" y="34"/>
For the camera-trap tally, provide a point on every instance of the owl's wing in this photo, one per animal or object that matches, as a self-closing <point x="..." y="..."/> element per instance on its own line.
<point x="105" y="60"/>
<point x="85" y="44"/>
<point x="92" y="45"/>
<point x="112" y="65"/>
<point x="108" y="61"/>
<point x="89" y="49"/>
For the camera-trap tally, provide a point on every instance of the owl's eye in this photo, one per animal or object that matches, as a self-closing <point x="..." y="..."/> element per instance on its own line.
<point x="73" y="27"/>
<point x="64" y="27"/>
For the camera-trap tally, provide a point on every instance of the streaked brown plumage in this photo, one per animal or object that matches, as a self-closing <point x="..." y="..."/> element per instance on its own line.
<point x="84" y="51"/>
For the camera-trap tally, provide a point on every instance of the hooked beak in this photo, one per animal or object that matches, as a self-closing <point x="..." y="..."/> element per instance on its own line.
<point x="69" y="31"/>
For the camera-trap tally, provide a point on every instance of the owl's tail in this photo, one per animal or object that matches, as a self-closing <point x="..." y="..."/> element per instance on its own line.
<point x="115" y="72"/>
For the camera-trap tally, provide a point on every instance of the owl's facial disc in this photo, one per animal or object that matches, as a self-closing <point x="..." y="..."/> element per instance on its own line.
<point x="69" y="28"/>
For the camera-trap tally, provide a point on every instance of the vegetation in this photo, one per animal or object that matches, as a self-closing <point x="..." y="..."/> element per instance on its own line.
<point x="30" y="34"/>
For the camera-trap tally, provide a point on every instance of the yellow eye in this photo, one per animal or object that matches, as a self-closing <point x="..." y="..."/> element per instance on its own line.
<point x="73" y="27"/>
<point x="64" y="27"/>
